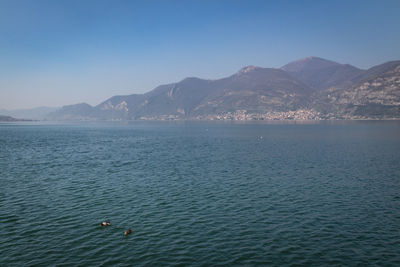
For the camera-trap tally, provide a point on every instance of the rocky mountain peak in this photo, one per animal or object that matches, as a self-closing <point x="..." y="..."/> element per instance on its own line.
<point x="247" y="69"/>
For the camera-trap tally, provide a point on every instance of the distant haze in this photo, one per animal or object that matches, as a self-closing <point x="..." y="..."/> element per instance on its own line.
<point x="55" y="53"/>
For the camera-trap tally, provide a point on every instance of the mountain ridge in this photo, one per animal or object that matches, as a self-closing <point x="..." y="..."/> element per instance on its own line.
<point x="309" y="88"/>
<point x="38" y="113"/>
<point x="322" y="74"/>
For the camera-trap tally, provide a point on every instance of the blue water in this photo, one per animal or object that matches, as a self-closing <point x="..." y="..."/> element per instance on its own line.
<point x="200" y="194"/>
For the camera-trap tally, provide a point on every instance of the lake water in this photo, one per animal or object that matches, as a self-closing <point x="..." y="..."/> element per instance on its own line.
<point x="200" y="194"/>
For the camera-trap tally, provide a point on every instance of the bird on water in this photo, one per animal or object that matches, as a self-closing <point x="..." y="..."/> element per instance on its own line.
<point x="105" y="223"/>
<point x="127" y="232"/>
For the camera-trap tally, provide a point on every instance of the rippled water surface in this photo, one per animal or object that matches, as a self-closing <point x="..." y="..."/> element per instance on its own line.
<point x="200" y="194"/>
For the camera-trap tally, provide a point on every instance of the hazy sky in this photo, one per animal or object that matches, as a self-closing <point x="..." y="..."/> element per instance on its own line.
<point x="54" y="53"/>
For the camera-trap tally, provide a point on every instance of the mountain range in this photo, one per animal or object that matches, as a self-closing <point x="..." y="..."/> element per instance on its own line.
<point x="307" y="89"/>
<point x="38" y="113"/>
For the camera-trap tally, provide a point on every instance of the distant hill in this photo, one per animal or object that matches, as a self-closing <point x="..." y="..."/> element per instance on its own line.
<point x="38" y="113"/>
<point x="4" y="118"/>
<point x="80" y="111"/>
<point x="311" y="88"/>
<point x="376" y="95"/>
<point x="375" y="71"/>
<point x="7" y="118"/>
<point x="256" y="90"/>
<point x="323" y="74"/>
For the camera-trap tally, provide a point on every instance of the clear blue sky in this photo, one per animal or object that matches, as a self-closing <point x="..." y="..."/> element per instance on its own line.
<point x="54" y="53"/>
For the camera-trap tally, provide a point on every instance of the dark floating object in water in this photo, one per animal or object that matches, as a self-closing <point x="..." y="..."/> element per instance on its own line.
<point x="127" y="232"/>
<point x="105" y="223"/>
